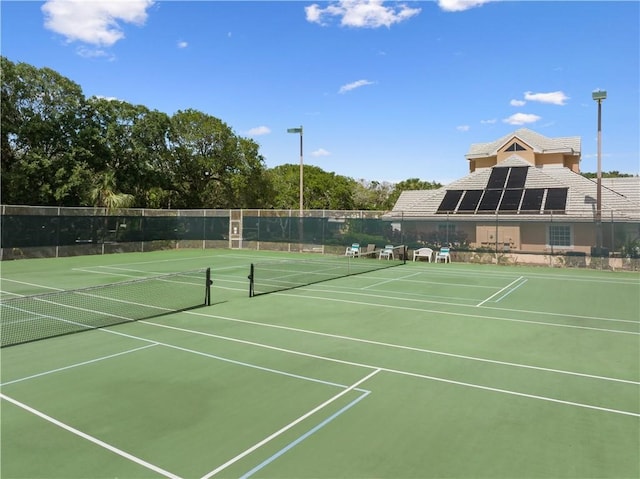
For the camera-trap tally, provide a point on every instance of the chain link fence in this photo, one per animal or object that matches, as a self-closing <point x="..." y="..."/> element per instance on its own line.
<point x="28" y="232"/>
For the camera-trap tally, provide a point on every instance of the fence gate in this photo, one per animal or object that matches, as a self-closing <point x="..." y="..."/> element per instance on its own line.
<point x="235" y="229"/>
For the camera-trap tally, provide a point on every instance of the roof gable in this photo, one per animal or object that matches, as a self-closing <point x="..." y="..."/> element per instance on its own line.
<point x="537" y="142"/>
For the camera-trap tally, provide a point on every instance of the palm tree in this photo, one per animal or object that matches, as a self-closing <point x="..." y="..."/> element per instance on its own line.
<point x="104" y="194"/>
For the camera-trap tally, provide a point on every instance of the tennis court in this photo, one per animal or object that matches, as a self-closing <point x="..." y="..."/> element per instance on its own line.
<point x="419" y="370"/>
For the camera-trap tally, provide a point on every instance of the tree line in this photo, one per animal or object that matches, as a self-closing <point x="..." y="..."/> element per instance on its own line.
<point x="60" y="148"/>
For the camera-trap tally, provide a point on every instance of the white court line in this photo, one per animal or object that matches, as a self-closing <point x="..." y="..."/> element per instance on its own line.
<point x="10" y="293"/>
<point x="391" y="280"/>
<point x="560" y="277"/>
<point x="470" y="316"/>
<point x="90" y="438"/>
<point x="307" y="434"/>
<point x="84" y="363"/>
<point x="498" y="292"/>
<point x="511" y="291"/>
<point x="288" y="426"/>
<point x="208" y="355"/>
<point x="131" y="270"/>
<point x="31" y="284"/>
<point x="396" y="371"/>
<point x="358" y="292"/>
<point x="516" y="393"/>
<point x="392" y="345"/>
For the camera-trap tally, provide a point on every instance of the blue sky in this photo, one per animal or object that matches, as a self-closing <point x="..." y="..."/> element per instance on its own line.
<point x="385" y="91"/>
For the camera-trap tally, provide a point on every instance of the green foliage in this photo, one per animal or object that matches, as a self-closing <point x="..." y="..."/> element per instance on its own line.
<point x="62" y="149"/>
<point x="40" y="124"/>
<point x="372" y="195"/>
<point x="409" y="185"/>
<point x="321" y="190"/>
<point x="607" y="174"/>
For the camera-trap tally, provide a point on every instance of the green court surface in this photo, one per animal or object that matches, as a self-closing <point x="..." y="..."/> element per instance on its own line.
<point x="421" y="370"/>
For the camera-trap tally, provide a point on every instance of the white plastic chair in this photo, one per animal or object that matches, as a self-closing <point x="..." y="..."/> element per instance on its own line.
<point x="423" y="253"/>
<point x="386" y="252"/>
<point x="444" y="255"/>
<point x="353" y="250"/>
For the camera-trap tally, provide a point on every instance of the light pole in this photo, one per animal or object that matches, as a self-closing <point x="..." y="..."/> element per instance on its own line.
<point x="299" y="130"/>
<point x="599" y="96"/>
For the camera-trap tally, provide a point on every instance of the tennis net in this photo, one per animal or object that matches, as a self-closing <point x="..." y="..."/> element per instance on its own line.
<point x="40" y="316"/>
<point x="269" y="277"/>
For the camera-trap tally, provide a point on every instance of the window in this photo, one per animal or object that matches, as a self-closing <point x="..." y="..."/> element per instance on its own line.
<point x="516" y="147"/>
<point x="560" y="235"/>
<point x="446" y="232"/>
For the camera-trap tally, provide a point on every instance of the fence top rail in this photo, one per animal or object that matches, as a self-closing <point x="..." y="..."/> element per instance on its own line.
<point x="608" y="216"/>
<point x="29" y="210"/>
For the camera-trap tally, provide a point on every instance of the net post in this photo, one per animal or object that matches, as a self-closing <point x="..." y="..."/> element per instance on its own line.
<point x="251" y="284"/>
<point x="207" y="293"/>
<point x="404" y="254"/>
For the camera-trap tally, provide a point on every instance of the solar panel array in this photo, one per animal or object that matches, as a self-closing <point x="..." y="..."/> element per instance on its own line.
<point x="505" y="192"/>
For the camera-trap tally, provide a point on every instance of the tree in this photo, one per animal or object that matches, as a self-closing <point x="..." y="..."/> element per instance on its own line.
<point x="372" y="195"/>
<point x="131" y="141"/>
<point x="410" y="185"/>
<point x="252" y="185"/>
<point x="59" y="148"/>
<point x="41" y="121"/>
<point x="322" y="190"/>
<point x="103" y="194"/>
<point x="214" y="167"/>
<point x="605" y="174"/>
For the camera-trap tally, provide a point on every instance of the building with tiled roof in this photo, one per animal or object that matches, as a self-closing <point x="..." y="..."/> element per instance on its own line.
<point x="524" y="192"/>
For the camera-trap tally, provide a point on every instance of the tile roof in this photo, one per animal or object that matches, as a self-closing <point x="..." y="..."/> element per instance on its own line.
<point x="538" y="142"/>
<point x="628" y="187"/>
<point x="622" y="204"/>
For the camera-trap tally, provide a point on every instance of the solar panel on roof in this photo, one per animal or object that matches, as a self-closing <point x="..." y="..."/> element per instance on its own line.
<point x="450" y="201"/>
<point x="470" y="200"/>
<point x="532" y="200"/>
<point x="556" y="200"/>
<point x="490" y="200"/>
<point x="497" y="178"/>
<point x="511" y="200"/>
<point x="517" y="177"/>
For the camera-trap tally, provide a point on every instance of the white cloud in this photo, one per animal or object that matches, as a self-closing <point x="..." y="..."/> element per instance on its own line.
<point x="354" y="85"/>
<point x="360" y="13"/>
<point x="107" y="98"/>
<point x="554" y="97"/>
<point x="320" y="152"/>
<point x="259" y="130"/>
<point x="93" y="53"/>
<point x="463" y="128"/>
<point x="522" y="119"/>
<point x="488" y="122"/>
<point x="314" y="13"/>
<point x="183" y="44"/>
<point x="517" y="103"/>
<point x="460" y="5"/>
<point x="97" y="23"/>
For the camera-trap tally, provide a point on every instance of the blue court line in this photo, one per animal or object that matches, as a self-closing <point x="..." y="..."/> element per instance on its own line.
<point x="510" y="291"/>
<point x="304" y="436"/>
